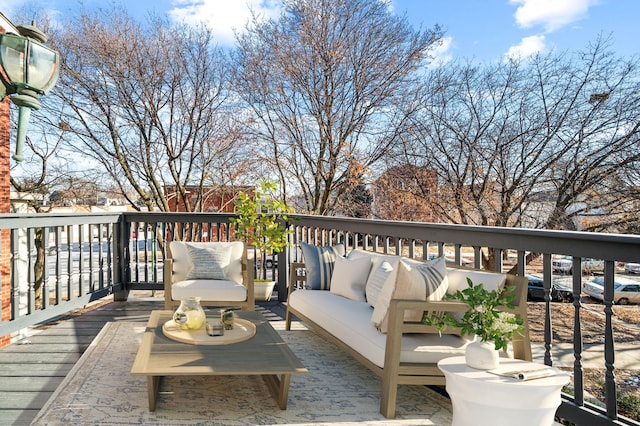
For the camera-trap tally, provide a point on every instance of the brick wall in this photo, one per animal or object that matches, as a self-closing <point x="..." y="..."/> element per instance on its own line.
<point x="5" y="187"/>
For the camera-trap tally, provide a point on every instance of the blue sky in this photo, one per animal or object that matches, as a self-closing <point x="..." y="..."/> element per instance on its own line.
<point x="485" y="30"/>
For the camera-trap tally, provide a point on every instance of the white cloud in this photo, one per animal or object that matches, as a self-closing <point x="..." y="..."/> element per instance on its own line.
<point x="442" y="54"/>
<point x="8" y="7"/>
<point x="551" y="14"/>
<point x="223" y="16"/>
<point x="528" y="46"/>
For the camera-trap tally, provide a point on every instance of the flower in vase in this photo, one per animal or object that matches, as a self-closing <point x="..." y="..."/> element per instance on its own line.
<point x="486" y="316"/>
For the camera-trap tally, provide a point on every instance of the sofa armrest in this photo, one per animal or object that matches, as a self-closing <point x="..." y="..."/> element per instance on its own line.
<point x="295" y="276"/>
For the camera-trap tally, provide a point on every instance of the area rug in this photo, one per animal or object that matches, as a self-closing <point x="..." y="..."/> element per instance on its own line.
<point x="100" y="390"/>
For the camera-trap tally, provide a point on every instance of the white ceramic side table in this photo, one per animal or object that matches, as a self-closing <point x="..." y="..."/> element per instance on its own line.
<point x="482" y="398"/>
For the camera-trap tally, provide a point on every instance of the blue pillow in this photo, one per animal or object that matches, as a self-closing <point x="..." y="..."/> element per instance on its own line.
<point x="319" y="261"/>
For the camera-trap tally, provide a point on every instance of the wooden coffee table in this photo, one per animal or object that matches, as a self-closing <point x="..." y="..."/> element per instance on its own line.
<point x="264" y="354"/>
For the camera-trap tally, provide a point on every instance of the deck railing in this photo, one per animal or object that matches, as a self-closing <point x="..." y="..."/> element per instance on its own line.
<point x="87" y="257"/>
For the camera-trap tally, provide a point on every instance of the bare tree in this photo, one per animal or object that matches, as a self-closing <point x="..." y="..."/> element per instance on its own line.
<point x="328" y="83"/>
<point x="532" y="143"/>
<point x="146" y="107"/>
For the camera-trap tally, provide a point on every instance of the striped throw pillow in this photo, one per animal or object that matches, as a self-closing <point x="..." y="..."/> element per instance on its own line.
<point x="319" y="262"/>
<point x="434" y="273"/>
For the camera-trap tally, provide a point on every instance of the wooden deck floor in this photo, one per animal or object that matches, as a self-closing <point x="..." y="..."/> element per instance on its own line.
<point x="33" y="368"/>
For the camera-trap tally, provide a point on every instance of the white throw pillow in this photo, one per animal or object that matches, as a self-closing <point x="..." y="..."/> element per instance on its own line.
<point x="408" y="284"/>
<point x="349" y="277"/>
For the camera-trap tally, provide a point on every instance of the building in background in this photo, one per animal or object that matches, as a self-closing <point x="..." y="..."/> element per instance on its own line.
<point x="405" y="193"/>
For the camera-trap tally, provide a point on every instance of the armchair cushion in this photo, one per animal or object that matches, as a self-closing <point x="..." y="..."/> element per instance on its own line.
<point x="209" y="290"/>
<point x="208" y="262"/>
<point x="182" y="262"/>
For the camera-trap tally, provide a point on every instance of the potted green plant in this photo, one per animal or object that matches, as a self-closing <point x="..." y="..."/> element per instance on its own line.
<point x="260" y="222"/>
<point x="486" y="318"/>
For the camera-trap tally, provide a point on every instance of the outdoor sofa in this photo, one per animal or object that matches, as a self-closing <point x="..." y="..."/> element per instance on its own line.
<point x="389" y="337"/>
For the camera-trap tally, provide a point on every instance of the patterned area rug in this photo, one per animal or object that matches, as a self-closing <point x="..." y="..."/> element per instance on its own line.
<point x="337" y="390"/>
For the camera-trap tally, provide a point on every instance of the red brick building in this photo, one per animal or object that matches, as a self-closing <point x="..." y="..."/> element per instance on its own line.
<point x="5" y="189"/>
<point x="217" y="199"/>
<point x="406" y="193"/>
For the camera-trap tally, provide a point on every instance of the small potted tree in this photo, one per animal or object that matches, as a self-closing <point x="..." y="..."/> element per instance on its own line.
<point x="260" y="222"/>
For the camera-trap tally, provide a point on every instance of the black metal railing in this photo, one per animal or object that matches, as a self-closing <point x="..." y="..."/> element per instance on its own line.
<point x="86" y="257"/>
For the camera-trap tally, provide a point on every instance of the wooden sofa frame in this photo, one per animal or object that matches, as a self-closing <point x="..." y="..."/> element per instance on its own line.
<point x="247" y="281"/>
<point x="396" y="373"/>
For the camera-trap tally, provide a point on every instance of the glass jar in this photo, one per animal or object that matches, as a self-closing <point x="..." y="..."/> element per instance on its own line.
<point x="190" y="315"/>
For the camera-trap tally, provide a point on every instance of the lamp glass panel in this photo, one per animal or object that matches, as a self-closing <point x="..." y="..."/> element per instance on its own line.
<point x="43" y="67"/>
<point x="12" y="57"/>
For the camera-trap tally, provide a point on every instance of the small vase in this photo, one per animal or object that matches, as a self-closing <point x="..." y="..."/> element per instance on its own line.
<point x="482" y="355"/>
<point x="190" y="315"/>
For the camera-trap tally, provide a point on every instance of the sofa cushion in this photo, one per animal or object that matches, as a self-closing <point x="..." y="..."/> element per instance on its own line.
<point x="209" y="290"/>
<point x="349" y="277"/>
<point x="375" y="281"/>
<point x="182" y="262"/>
<point x="408" y="284"/>
<point x="208" y="262"/>
<point x="435" y="277"/>
<point x="319" y="262"/>
<point x="457" y="278"/>
<point x="378" y="278"/>
<point x="349" y="321"/>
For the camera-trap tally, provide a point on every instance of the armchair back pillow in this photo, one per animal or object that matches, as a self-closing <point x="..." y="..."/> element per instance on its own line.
<point x="182" y="262"/>
<point x="208" y="262"/>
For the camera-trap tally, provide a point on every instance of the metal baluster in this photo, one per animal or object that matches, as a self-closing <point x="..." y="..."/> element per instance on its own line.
<point x="546" y="268"/>
<point x="609" y="381"/>
<point x="578" y="372"/>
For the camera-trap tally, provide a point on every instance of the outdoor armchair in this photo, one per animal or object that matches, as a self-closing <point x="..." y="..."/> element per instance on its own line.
<point x="219" y="273"/>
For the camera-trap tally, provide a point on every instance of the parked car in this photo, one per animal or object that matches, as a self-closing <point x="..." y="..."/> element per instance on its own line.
<point x="592" y="265"/>
<point x="632" y="268"/>
<point x="625" y="290"/>
<point x="559" y="292"/>
<point x="564" y="264"/>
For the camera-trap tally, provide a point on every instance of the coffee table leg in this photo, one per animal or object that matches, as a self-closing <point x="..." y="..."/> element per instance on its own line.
<point x="279" y="388"/>
<point x="153" y="385"/>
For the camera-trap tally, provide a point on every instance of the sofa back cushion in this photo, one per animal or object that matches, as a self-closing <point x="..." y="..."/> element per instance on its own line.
<point x="458" y="279"/>
<point x="182" y="262"/>
<point x="319" y="262"/>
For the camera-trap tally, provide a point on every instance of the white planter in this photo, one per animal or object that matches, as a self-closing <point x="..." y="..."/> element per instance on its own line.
<point x="263" y="290"/>
<point x="482" y="355"/>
